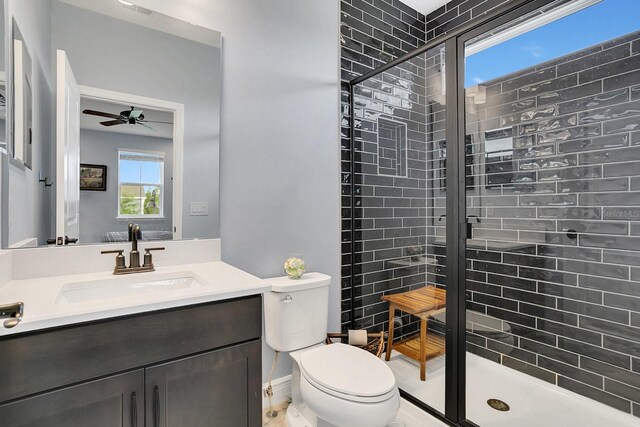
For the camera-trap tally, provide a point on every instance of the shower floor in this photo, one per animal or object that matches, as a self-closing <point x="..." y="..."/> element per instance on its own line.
<point x="533" y="402"/>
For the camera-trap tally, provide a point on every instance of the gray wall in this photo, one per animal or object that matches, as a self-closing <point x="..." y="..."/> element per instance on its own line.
<point x="279" y="173"/>
<point x="98" y="209"/>
<point x="157" y="65"/>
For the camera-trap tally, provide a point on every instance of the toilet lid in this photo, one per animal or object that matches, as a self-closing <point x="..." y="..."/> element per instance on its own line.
<point x="348" y="370"/>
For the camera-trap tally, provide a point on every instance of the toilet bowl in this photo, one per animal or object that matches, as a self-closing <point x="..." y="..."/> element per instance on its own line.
<point x="331" y="385"/>
<point x="346" y="386"/>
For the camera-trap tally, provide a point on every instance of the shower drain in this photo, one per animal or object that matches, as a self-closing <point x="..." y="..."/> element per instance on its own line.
<point x="498" y="405"/>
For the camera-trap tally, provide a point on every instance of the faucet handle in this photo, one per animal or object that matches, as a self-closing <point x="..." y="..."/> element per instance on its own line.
<point x="148" y="259"/>
<point x="136" y="232"/>
<point x="120" y="262"/>
<point x="13" y="313"/>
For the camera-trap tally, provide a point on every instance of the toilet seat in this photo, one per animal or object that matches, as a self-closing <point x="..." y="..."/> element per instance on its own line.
<point x="348" y="373"/>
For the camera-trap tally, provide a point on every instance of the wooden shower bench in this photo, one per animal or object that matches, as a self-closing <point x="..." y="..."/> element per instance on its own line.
<point x="422" y="303"/>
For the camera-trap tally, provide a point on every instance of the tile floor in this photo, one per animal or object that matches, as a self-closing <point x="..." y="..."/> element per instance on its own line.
<point x="280" y="420"/>
<point x="409" y="416"/>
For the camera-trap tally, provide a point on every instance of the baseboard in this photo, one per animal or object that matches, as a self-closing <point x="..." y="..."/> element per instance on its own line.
<point x="281" y="389"/>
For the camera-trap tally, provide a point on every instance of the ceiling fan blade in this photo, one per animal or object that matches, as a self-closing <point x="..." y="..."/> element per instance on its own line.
<point x="101" y="114"/>
<point x="112" y="122"/>
<point x="154" y="121"/>
<point x="142" y="124"/>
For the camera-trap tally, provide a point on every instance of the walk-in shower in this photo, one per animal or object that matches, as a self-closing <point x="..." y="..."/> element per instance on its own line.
<point x="500" y="163"/>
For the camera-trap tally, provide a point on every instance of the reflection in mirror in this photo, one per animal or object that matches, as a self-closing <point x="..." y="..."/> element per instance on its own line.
<point x="28" y="124"/>
<point x="498" y="157"/>
<point x="152" y="86"/>
<point x="126" y="171"/>
<point x="21" y="147"/>
<point x="3" y="85"/>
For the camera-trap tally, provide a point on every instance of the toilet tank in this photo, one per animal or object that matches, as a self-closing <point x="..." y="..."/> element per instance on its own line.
<point x="296" y="311"/>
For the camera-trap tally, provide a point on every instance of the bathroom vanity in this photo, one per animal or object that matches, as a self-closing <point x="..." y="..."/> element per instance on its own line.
<point x="178" y="346"/>
<point x="197" y="363"/>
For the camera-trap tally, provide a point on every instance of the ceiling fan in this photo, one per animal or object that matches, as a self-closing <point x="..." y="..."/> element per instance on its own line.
<point x="133" y="116"/>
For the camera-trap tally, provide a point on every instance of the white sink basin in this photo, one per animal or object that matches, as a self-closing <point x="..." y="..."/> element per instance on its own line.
<point x="135" y="285"/>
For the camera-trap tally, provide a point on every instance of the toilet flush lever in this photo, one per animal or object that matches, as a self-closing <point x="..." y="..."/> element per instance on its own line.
<point x="287" y="299"/>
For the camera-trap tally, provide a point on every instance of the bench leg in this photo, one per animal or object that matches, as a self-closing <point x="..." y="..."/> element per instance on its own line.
<point x="423" y="350"/>
<point x="392" y="314"/>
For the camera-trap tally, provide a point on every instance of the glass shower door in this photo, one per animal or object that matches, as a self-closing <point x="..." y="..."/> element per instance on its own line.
<point x="552" y="118"/>
<point x="399" y="204"/>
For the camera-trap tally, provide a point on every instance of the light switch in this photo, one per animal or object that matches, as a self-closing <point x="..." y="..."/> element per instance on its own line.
<point x="198" y="208"/>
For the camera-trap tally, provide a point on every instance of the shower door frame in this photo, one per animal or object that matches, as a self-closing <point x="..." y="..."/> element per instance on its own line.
<point x="456" y="229"/>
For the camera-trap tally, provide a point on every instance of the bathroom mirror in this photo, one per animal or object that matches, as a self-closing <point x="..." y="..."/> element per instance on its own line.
<point x="124" y="125"/>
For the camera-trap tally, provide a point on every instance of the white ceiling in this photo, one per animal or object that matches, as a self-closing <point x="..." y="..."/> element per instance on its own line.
<point x="425" y="6"/>
<point x="89" y="122"/>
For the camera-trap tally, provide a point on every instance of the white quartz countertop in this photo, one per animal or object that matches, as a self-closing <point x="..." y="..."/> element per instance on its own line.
<point x="46" y="305"/>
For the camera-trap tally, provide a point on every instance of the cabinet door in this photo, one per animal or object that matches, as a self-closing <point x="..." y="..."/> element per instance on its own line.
<point x="115" y="401"/>
<point x="219" y="388"/>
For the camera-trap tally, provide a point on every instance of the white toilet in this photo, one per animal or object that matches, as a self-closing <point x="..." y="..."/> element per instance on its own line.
<point x="331" y="385"/>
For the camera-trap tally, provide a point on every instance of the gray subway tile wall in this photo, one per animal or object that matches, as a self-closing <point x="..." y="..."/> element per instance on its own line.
<point x="567" y="290"/>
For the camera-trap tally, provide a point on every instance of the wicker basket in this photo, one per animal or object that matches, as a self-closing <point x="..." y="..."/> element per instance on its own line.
<point x="375" y="344"/>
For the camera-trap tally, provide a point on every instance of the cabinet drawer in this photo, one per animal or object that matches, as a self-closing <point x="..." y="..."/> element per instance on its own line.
<point x="36" y="362"/>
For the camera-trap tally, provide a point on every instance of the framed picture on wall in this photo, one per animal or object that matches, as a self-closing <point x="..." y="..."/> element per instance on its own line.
<point x="93" y="177"/>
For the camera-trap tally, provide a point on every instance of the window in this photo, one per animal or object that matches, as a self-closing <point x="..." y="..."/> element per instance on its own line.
<point x="558" y="32"/>
<point x="140" y="184"/>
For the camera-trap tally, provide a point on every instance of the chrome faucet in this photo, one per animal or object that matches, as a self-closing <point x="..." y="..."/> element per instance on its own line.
<point x="134" y="256"/>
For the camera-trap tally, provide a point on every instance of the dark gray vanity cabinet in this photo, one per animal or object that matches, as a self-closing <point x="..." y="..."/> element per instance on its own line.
<point x="185" y="367"/>
<point x="109" y="402"/>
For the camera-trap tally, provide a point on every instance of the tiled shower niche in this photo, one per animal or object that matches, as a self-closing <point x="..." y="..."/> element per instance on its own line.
<point x="392" y="148"/>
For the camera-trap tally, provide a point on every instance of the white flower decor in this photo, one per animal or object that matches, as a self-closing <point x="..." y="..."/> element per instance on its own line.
<point x="294" y="267"/>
